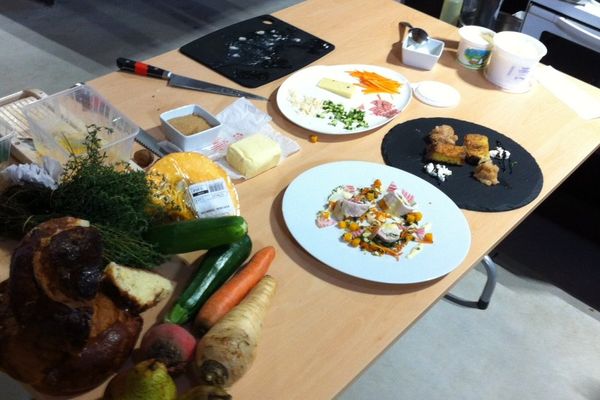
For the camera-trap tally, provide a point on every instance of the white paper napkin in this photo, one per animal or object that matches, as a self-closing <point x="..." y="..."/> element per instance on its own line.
<point x="47" y="175"/>
<point x="583" y="103"/>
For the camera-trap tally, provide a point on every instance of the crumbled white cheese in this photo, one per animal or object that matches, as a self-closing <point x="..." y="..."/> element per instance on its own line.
<point x="306" y="105"/>
<point x="500" y="153"/>
<point x="438" y="170"/>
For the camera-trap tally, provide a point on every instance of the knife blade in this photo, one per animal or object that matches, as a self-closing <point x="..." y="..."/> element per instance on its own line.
<point x="139" y="68"/>
<point x="149" y="142"/>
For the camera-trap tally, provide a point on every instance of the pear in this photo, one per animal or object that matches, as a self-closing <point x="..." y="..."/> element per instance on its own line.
<point x="205" y="392"/>
<point x="148" y="380"/>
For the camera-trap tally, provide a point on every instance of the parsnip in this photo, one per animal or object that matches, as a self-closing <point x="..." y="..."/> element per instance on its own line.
<point x="228" y="349"/>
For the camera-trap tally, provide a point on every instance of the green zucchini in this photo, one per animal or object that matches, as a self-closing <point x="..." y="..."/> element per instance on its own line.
<point x="197" y="234"/>
<point x="218" y="264"/>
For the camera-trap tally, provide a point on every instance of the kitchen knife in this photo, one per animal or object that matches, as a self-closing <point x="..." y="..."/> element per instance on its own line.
<point x="140" y="68"/>
<point x="149" y="142"/>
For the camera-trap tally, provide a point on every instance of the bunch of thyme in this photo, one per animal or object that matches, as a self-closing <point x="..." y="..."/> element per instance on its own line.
<point x="113" y="197"/>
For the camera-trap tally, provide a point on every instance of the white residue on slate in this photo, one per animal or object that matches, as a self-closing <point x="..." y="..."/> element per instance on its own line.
<point x="258" y="47"/>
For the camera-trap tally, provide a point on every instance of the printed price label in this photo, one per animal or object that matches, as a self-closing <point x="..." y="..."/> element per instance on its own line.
<point x="210" y="199"/>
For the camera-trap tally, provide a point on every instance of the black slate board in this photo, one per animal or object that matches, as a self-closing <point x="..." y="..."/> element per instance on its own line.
<point x="404" y="148"/>
<point x="257" y="51"/>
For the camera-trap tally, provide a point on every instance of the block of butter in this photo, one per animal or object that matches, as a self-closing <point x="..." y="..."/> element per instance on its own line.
<point x="253" y="155"/>
<point x="342" y="88"/>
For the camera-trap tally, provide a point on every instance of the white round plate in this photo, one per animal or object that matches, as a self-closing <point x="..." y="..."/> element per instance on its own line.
<point x="304" y="84"/>
<point x="308" y="193"/>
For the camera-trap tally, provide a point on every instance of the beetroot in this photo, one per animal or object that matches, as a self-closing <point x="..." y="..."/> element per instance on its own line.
<point x="170" y="344"/>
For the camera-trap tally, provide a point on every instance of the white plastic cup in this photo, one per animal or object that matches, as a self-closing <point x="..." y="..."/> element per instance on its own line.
<point x="513" y="60"/>
<point x="475" y="46"/>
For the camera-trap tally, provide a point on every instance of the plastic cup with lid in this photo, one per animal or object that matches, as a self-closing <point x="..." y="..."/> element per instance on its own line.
<point x="513" y="60"/>
<point x="475" y="46"/>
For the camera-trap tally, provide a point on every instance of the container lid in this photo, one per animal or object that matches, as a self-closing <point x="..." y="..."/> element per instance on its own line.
<point x="436" y="94"/>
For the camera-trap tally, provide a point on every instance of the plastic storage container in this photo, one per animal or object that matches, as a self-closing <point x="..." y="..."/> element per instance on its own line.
<point x="6" y="135"/>
<point x="59" y="124"/>
<point x="475" y="46"/>
<point x="514" y="58"/>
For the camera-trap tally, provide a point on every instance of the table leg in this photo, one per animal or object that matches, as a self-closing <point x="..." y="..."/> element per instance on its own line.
<point x="488" y="289"/>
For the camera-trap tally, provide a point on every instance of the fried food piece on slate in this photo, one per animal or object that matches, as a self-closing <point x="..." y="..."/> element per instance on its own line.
<point x="478" y="148"/>
<point x="446" y="153"/>
<point x="487" y="173"/>
<point x="443" y="134"/>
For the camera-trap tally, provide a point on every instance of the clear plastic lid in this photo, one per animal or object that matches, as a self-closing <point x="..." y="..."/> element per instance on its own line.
<point x="436" y="94"/>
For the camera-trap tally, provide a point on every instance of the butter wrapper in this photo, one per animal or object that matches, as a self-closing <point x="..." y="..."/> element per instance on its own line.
<point x="239" y="120"/>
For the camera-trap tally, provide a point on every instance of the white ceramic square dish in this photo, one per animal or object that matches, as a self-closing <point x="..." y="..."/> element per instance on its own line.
<point x="423" y="56"/>
<point x="195" y="141"/>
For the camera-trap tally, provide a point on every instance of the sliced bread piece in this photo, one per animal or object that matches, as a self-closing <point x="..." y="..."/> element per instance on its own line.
<point x="139" y="289"/>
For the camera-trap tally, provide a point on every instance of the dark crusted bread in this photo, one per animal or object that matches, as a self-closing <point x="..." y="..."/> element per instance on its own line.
<point x="59" y="332"/>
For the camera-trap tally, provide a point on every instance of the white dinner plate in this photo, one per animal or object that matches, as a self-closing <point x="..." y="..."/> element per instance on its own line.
<point x="308" y="193"/>
<point x="304" y="85"/>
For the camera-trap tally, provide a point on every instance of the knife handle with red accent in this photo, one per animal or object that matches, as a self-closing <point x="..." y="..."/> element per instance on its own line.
<point x="139" y="68"/>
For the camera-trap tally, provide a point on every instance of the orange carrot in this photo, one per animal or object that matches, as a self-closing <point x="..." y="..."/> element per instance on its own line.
<point x="372" y="82"/>
<point x="233" y="291"/>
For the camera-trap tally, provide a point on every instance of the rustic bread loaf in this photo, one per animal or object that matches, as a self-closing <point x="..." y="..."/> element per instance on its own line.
<point x="59" y="332"/>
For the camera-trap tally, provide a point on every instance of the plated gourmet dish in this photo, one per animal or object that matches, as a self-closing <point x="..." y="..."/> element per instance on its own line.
<point x="479" y="168"/>
<point x="376" y="221"/>
<point x="351" y="216"/>
<point x="475" y="150"/>
<point x="343" y="99"/>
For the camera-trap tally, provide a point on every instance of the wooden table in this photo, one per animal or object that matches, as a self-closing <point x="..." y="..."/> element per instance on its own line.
<point x="325" y="327"/>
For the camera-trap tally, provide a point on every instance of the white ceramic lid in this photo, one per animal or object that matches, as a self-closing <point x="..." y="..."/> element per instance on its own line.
<point x="436" y="94"/>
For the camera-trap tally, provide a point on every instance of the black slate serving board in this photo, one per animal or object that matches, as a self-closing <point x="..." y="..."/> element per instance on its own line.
<point x="404" y="148"/>
<point x="257" y="51"/>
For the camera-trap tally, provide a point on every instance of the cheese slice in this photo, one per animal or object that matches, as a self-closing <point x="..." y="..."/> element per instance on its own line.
<point x="174" y="178"/>
<point x="342" y="88"/>
<point x="253" y="155"/>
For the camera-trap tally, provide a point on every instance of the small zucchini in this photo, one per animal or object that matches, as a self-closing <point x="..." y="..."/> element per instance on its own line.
<point x="197" y="234"/>
<point x="218" y="264"/>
